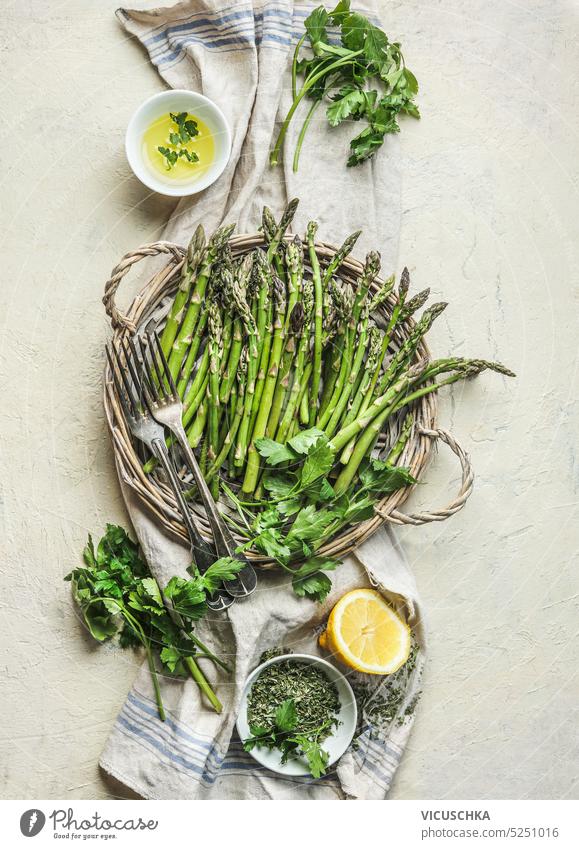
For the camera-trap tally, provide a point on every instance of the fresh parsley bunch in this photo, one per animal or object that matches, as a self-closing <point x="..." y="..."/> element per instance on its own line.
<point x="304" y="510"/>
<point x="364" y="79"/>
<point x="118" y="596"/>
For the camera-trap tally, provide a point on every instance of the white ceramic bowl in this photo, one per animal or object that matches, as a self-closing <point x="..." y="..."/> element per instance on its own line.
<point x="177" y="100"/>
<point x="341" y="736"/>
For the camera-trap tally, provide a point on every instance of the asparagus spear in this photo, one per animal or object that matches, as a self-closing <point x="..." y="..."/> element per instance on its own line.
<point x="219" y="284"/>
<point x="372" y="362"/>
<point x="191" y="264"/>
<point x="263" y="364"/>
<point x="318" y="320"/>
<point x="184" y="336"/>
<point x="340" y="256"/>
<point x="404" y="354"/>
<point x="346" y="382"/>
<point x="403" y="438"/>
<point x="376" y="407"/>
<point x="343" y="306"/>
<point x="285" y="221"/>
<point x="274" y="234"/>
<point x="292" y="329"/>
<point x="414" y="304"/>
<point x="252" y="468"/>
<point x="282" y="386"/>
<point x="229" y="440"/>
<point x="460" y="370"/>
<point x="256" y="345"/>
<point x="303" y="346"/>
<point x="243" y="321"/>
<point x="213" y="388"/>
<point x="381" y="295"/>
<point x="197" y="428"/>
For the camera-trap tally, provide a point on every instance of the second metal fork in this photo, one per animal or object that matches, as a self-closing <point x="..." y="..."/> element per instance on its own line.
<point x="144" y="428"/>
<point x="165" y="405"/>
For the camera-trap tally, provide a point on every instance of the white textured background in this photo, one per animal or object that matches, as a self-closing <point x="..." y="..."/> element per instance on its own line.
<point x="491" y="212"/>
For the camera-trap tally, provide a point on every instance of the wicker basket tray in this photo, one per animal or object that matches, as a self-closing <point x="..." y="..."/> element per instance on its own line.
<point x="151" y="305"/>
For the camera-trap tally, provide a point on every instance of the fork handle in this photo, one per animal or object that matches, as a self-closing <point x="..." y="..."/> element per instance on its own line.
<point x="245" y="581"/>
<point x="201" y="551"/>
<point x="204" y="556"/>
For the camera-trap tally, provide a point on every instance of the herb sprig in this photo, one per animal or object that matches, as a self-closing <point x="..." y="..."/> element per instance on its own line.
<point x="118" y="596"/>
<point x="304" y="508"/>
<point x="364" y="79"/>
<point x="186" y="130"/>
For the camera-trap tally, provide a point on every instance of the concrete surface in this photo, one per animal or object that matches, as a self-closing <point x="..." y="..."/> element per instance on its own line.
<point x="491" y="206"/>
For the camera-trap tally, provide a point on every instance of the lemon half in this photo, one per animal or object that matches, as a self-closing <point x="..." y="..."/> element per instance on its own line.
<point x="366" y="634"/>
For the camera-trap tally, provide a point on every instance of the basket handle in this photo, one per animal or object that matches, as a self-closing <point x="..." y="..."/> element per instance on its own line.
<point x="457" y="504"/>
<point x="119" y="319"/>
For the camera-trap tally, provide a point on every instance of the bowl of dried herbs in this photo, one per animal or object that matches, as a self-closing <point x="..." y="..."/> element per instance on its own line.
<point x="298" y="715"/>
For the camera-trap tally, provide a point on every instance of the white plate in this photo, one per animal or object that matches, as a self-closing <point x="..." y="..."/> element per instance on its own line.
<point x="177" y="100"/>
<point x="341" y="736"/>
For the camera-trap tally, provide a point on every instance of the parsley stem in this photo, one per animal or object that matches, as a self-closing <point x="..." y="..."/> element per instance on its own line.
<point x="339" y="63"/>
<point x="203" y="684"/>
<point x="208" y="652"/>
<point x="295" y="66"/>
<point x="302" y="134"/>
<point x="155" y="680"/>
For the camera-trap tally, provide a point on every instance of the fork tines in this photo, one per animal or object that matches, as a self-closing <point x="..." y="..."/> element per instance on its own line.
<point x="160" y="381"/>
<point x="126" y="392"/>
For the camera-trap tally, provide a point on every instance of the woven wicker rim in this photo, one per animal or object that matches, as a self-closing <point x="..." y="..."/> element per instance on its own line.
<point x="156" y="495"/>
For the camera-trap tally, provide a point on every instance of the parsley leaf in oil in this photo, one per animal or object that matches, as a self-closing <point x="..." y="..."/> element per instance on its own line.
<point x="185" y="130"/>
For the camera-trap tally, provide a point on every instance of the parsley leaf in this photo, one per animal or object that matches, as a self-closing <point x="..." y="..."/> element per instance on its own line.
<point x="354" y="29"/>
<point x="381" y="477"/>
<point x="190" y="156"/>
<point x="303" y="441"/>
<point x="310" y="582"/>
<point x="286" y="715"/>
<point x="340" y="11"/>
<point x="310" y="524"/>
<point x="375" y="45"/>
<point x="273" y="452"/>
<point x="187" y="597"/>
<point x="316" y="757"/>
<point x="315" y="25"/>
<point x="318" y="463"/>
<point x="278" y="485"/>
<point x="350" y="102"/>
<point x="224" y="569"/>
<point x="170" y="155"/>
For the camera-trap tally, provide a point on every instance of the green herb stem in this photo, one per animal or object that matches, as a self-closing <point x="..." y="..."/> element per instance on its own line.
<point x="203" y="684"/>
<point x="274" y="157"/>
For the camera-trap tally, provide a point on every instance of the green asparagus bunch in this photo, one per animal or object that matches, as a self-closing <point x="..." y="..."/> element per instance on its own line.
<point x="289" y="374"/>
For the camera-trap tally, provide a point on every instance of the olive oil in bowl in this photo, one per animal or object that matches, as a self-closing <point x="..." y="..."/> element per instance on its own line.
<point x="178" y="148"/>
<point x="194" y="137"/>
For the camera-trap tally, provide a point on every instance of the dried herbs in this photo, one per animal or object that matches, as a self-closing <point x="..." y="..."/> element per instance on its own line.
<point x="293" y="706"/>
<point x="385" y="704"/>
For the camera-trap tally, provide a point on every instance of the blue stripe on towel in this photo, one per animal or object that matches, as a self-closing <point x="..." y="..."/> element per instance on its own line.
<point x="139" y="719"/>
<point x="194" y="750"/>
<point x="238" y="30"/>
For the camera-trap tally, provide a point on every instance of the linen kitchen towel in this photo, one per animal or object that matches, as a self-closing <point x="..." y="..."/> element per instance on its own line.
<point x="238" y="54"/>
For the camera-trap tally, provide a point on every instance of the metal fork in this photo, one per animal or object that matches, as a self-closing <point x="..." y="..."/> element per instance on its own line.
<point x="165" y="406"/>
<point x="144" y="428"/>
